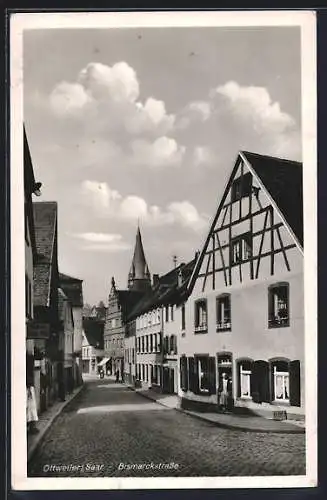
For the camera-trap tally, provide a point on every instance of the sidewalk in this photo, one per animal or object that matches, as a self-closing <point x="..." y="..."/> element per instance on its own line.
<point x="46" y="419"/>
<point x="247" y="423"/>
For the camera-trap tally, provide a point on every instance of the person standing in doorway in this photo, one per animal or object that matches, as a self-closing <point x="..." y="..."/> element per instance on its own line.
<point x="223" y="398"/>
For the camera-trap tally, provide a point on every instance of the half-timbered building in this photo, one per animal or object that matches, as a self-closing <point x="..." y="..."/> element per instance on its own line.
<point x="245" y="312"/>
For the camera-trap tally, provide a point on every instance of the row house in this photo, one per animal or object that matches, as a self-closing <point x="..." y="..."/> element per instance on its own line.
<point x="73" y="290"/>
<point x="154" y="326"/>
<point x="92" y="345"/>
<point x="120" y="303"/>
<point x="66" y="322"/>
<point x="45" y="328"/>
<point x="245" y="307"/>
<point x="30" y="188"/>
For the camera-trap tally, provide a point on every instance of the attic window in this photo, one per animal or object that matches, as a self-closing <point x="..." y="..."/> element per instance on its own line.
<point x="241" y="187"/>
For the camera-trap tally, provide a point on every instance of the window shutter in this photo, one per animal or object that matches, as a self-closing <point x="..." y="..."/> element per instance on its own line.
<point x="260" y="382"/>
<point x="191" y="373"/>
<point x="272" y="383"/>
<point x="212" y="375"/>
<point x="196" y="387"/>
<point x="295" y="384"/>
<point x="238" y="386"/>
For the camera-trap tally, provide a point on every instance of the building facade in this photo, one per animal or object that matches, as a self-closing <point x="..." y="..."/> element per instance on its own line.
<point x="67" y="325"/>
<point x="45" y="328"/>
<point x="92" y="345"/>
<point x="244" y="314"/>
<point x="120" y="303"/>
<point x="73" y="289"/>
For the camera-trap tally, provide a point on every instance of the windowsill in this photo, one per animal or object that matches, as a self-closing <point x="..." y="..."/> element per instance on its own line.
<point x="223" y="329"/>
<point x="279" y="325"/>
<point x="281" y="402"/>
<point x="201" y="330"/>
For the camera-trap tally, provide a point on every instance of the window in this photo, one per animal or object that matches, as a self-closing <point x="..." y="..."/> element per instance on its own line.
<point x="143" y="373"/>
<point x="133" y="355"/>
<point x="167" y="313"/>
<point x="203" y="371"/>
<point x="223" y="312"/>
<point x="146" y="373"/>
<point x="201" y="316"/>
<point x="278" y="303"/>
<point x="281" y="382"/>
<point x="155" y="374"/>
<point x="155" y="342"/>
<point x="183" y="316"/>
<point x="151" y="343"/>
<point x="158" y="316"/>
<point x="242" y="187"/>
<point x="241" y="248"/>
<point x="172" y="313"/>
<point x="166" y="345"/>
<point x="147" y="343"/>
<point x="142" y="344"/>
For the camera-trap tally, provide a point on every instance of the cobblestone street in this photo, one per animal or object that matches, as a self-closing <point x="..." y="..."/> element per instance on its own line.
<point x="108" y="425"/>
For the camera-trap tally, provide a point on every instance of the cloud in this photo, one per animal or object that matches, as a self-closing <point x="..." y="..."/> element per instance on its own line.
<point x="118" y="83"/>
<point x="235" y="117"/>
<point x="254" y="106"/>
<point x="109" y="203"/>
<point x="109" y="242"/>
<point x="108" y="96"/>
<point x="68" y="99"/>
<point x="164" y="151"/>
<point x="202" y="155"/>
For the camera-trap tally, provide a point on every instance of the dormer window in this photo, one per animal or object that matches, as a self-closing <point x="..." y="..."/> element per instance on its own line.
<point x="241" y="187"/>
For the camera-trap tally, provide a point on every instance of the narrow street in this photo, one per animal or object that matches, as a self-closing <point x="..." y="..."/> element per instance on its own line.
<point x="108" y="425"/>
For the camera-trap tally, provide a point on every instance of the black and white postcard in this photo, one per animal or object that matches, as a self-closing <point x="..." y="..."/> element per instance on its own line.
<point x="163" y="222"/>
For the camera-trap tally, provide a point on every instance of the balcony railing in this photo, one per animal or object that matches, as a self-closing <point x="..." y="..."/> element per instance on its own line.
<point x="223" y="325"/>
<point x="201" y="328"/>
<point x="277" y="321"/>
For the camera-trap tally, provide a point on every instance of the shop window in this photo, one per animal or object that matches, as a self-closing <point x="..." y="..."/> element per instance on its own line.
<point x="241" y="187"/>
<point x="223" y="304"/>
<point x="241" y="248"/>
<point x="278" y="303"/>
<point x="200" y="316"/>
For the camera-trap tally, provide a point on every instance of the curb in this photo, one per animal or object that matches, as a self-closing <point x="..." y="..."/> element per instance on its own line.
<point x="199" y="416"/>
<point x="32" y="449"/>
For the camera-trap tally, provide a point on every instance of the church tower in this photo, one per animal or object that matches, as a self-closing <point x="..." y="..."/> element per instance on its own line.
<point x="139" y="278"/>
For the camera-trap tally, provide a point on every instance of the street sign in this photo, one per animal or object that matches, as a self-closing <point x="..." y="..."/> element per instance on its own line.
<point x="37" y="330"/>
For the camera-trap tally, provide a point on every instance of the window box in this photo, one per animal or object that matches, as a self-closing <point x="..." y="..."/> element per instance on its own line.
<point x="201" y="329"/>
<point x="220" y="327"/>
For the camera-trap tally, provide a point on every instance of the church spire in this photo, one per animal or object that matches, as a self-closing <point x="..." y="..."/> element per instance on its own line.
<point x="139" y="275"/>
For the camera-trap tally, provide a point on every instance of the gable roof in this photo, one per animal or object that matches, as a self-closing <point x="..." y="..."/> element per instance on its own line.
<point x="167" y="291"/>
<point x="72" y="288"/>
<point x="282" y="181"/>
<point x="45" y="221"/>
<point x="93" y="329"/>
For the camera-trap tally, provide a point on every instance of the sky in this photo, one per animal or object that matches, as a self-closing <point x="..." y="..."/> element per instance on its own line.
<point x="143" y="125"/>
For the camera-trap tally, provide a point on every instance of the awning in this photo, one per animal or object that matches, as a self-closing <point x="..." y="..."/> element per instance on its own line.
<point x="103" y="361"/>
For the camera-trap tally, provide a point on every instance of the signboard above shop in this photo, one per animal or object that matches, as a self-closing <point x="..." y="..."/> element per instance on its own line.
<point x="36" y="330"/>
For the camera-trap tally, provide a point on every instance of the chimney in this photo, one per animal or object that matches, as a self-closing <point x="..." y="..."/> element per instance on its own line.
<point x="180" y="275"/>
<point x="155" y="279"/>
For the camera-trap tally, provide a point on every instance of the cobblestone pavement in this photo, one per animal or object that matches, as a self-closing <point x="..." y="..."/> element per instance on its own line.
<point x="96" y="433"/>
